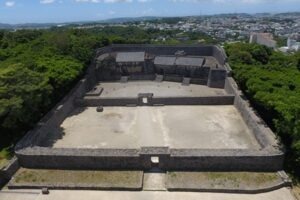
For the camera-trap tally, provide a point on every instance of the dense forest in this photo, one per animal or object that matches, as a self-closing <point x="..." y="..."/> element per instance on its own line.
<point x="38" y="67"/>
<point x="271" y="81"/>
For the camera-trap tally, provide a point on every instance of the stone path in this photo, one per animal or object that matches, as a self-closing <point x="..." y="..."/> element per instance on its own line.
<point x="18" y="195"/>
<point x="281" y="194"/>
<point x="154" y="181"/>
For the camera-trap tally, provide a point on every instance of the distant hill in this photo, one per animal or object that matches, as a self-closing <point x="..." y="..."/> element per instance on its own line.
<point x="27" y="26"/>
<point x="138" y="19"/>
<point x="5" y="26"/>
<point x="49" y="25"/>
<point x="293" y="14"/>
<point x="129" y="19"/>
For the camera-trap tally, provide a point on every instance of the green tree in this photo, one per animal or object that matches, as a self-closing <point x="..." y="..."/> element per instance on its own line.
<point x="24" y="97"/>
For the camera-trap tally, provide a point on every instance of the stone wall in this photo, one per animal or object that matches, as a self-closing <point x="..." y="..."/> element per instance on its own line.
<point x="92" y="102"/>
<point x="146" y="77"/>
<point x="50" y="158"/>
<point x="225" y="160"/>
<point x="261" y="131"/>
<point x="169" y="159"/>
<point x="173" y="78"/>
<point x="214" y="100"/>
<point x="209" y="100"/>
<point x="216" y="78"/>
<point x="8" y="171"/>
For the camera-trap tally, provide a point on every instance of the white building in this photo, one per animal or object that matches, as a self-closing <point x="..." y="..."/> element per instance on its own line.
<point x="293" y="45"/>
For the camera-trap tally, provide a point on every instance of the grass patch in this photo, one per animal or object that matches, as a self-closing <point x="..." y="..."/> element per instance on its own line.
<point x="5" y="156"/>
<point x="67" y="177"/>
<point x="296" y="191"/>
<point x="221" y="179"/>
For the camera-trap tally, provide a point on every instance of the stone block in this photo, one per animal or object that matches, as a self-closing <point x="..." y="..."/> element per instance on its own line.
<point x="159" y="78"/>
<point x="45" y="191"/>
<point x="124" y="79"/>
<point x="186" y="81"/>
<point x="100" y="109"/>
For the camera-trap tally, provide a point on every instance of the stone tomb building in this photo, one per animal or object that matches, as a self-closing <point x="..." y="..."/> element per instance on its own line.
<point x="176" y="66"/>
<point x="144" y="106"/>
<point x="130" y="62"/>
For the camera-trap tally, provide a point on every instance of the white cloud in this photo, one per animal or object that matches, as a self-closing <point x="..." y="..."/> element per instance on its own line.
<point x="233" y="1"/>
<point x="10" y="3"/>
<point x="47" y="1"/>
<point x="104" y="1"/>
<point x="117" y="1"/>
<point x="143" y="1"/>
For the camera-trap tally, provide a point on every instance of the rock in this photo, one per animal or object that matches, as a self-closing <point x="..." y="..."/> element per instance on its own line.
<point x="45" y="191"/>
<point x="100" y="109"/>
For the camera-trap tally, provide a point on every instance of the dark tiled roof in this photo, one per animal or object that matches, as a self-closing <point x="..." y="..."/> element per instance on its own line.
<point x="190" y="61"/>
<point x="183" y="61"/>
<point x="130" y="57"/>
<point x="164" y="60"/>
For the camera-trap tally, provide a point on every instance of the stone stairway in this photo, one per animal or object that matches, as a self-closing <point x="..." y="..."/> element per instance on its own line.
<point x="154" y="181"/>
<point x="159" y="78"/>
<point x="186" y="81"/>
<point x="124" y="79"/>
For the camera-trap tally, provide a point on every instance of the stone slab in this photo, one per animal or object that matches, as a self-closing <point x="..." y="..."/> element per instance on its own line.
<point x="154" y="181"/>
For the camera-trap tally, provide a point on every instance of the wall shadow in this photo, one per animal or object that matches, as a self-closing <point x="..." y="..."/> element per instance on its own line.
<point x="56" y="132"/>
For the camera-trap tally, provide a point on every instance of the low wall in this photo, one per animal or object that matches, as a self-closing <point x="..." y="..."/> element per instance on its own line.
<point x="210" y="100"/>
<point x="198" y="81"/>
<point x="225" y="160"/>
<point x="214" y="100"/>
<point x="7" y="172"/>
<point x="169" y="159"/>
<point x="233" y="190"/>
<point x="173" y="78"/>
<point x="141" y="77"/>
<point x="88" y="159"/>
<point x="92" y="102"/>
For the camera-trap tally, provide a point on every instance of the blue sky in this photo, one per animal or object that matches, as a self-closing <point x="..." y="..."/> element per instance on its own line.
<point x="27" y="11"/>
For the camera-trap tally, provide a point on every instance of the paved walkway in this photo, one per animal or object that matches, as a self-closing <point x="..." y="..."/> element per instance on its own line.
<point x="154" y="181"/>
<point x="18" y="195"/>
<point x="281" y="194"/>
